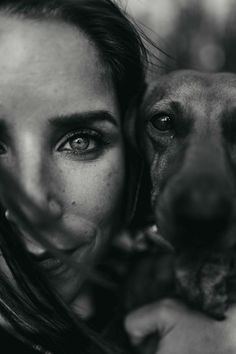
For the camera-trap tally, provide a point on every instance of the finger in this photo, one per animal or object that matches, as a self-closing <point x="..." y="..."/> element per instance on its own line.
<point x="160" y="317"/>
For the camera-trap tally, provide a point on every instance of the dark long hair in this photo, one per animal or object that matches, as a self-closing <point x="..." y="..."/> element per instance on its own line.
<point x="34" y="311"/>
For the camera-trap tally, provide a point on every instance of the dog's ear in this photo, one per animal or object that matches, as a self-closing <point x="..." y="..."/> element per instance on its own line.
<point x="135" y="162"/>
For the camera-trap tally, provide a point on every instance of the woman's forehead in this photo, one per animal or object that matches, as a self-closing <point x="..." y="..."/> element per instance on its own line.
<point x="25" y="41"/>
<point x="51" y="61"/>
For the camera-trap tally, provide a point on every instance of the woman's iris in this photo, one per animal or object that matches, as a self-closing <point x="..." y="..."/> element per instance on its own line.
<point x="80" y="143"/>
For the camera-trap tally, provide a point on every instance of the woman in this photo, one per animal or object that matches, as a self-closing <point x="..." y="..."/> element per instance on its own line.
<point x="68" y="71"/>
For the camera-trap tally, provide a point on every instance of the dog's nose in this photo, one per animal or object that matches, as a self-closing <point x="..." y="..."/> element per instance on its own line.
<point x="201" y="214"/>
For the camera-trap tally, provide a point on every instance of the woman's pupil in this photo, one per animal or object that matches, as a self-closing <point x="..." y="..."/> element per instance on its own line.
<point x="80" y="143"/>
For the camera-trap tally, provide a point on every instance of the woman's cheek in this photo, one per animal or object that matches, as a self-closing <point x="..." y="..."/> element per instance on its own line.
<point x="94" y="190"/>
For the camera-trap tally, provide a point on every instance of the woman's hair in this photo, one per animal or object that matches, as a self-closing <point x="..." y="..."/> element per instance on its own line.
<point x="35" y="312"/>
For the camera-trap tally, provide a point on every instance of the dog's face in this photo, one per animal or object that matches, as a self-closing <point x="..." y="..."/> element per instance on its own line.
<point x="188" y="135"/>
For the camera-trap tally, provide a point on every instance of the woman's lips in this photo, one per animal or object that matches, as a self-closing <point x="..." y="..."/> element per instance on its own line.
<point x="48" y="263"/>
<point x="53" y="265"/>
<point x="63" y="259"/>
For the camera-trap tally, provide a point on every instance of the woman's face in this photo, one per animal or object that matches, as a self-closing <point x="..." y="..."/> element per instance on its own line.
<point x="61" y="137"/>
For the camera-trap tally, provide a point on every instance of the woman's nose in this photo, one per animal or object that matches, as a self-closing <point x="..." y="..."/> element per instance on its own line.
<point x="33" y="197"/>
<point x="34" y="182"/>
<point x="39" y="187"/>
<point x="35" y="175"/>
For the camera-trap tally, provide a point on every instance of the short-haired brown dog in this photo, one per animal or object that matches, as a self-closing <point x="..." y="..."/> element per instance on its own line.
<point x="187" y="134"/>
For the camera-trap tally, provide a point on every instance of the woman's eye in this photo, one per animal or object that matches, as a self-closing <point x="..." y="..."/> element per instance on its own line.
<point x="162" y="122"/>
<point x="81" y="142"/>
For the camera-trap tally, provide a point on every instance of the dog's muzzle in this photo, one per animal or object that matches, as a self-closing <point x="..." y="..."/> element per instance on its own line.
<point x="201" y="212"/>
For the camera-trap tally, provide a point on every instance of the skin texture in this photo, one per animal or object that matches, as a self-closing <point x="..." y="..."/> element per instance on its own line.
<point x="180" y="330"/>
<point x="61" y="137"/>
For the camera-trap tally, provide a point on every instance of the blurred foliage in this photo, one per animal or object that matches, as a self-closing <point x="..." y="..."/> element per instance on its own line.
<point x="197" y="34"/>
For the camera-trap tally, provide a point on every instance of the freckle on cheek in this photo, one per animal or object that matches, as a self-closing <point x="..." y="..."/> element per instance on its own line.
<point x="110" y="175"/>
<point x="73" y="203"/>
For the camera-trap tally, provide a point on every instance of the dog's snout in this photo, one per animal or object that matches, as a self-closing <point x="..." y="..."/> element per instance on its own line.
<point x="202" y="214"/>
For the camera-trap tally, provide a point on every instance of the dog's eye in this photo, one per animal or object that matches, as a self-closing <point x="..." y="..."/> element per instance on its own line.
<point x="162" y="122"/>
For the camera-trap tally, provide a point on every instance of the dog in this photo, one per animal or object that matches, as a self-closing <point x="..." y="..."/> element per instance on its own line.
<point x="185" y="127"/>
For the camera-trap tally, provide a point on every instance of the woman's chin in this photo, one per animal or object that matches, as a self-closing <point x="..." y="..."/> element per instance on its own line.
<point x="67" y="284"/>
<point x="68" y="278"/>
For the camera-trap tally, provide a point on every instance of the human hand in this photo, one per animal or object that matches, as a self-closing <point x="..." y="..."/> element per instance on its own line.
<point x="169" y="327"/>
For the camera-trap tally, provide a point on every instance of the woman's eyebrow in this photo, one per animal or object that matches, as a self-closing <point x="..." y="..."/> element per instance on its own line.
<point x="81" y="118"/>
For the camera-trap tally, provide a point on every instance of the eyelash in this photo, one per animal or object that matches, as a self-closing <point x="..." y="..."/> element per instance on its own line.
<point x="91" y="135"/>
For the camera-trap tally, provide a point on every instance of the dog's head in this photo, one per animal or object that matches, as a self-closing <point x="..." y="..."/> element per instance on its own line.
<point x="186" y="129"/>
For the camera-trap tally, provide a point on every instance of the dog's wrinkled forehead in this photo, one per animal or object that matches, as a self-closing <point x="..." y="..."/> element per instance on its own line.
<point x="188" y="87"/>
